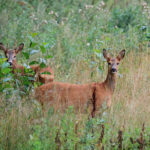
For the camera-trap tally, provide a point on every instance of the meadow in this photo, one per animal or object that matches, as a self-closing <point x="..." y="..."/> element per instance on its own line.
<point x="69" y="35"/>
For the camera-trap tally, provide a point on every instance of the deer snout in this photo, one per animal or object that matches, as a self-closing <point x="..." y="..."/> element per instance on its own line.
<point x="113" y="70"/>
<point x="10" y="63"/>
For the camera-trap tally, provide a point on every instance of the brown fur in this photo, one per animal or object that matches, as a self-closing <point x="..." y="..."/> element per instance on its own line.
<point x="11" y="55"/>
<point x="85" y="96"/>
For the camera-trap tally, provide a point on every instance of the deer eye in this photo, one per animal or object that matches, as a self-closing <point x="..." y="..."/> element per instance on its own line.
<point x="117" y="63"/>
<point x="14" y="56"/>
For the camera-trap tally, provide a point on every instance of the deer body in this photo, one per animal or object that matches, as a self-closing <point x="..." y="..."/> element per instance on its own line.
<point x="11" y="56"/>
<point x="64" y="94"/>
<point x="85" y="96"/>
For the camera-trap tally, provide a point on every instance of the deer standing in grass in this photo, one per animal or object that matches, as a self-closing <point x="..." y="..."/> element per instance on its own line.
<point x="10" y="54"/>
<point x="85" y="96"/>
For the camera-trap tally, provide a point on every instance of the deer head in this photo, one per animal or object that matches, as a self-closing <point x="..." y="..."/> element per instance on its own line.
<point x="113" y="63"/>
<point x="11" y="53"/>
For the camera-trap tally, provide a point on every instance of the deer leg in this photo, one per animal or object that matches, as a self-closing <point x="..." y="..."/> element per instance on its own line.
<point x="109" y="102"/>
<point x="94" y="103"/>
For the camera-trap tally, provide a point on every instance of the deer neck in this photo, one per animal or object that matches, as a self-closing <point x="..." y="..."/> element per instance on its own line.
<point x="16" y="65"/>
<point x="110" y="81"/>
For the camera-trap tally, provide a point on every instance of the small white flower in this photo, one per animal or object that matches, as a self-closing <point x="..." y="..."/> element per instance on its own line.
<point x="31" y="137"/>
<point x="62" y="23"/>
<point x="56" y="14"/>
<point x="144" y="4"/>
<point x="88" y="44"/>
<point x="35" y="18"/>
<point x="88" y="6"/>
<point x="80" y="10"/>
<point x="145" y="7"/>
<point x="45" y="22"/>
<point x="32" y="16"/>
<point x="102" y="3"/>
<point x="51" y="12"/>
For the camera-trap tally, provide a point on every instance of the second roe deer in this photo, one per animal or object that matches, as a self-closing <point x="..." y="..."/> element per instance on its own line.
<point x="89" y="96"/>
<point x="10" y="54"/>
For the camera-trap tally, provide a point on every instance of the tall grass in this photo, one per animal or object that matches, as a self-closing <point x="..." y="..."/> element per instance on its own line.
<point x="74" y="33"/>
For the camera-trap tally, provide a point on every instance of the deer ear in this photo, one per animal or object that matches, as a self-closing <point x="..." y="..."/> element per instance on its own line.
<point x="20" y="48"/>
<point x="106" y="55"/>
<point x="121" y="55"/>
<point x="2" y="47"/>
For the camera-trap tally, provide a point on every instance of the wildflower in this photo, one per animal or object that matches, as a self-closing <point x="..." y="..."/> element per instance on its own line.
<point x="45" y="22"/>
<point x="80" y="10"/>
<point x="88" y="44"/>
<point x="88" y="6"/>
<point x="102" y="3"/>
<point x="56" y="14"/>
<point x="51" y="12"/>
<point x="62" y="23"/>
<point x="144" y="4"/>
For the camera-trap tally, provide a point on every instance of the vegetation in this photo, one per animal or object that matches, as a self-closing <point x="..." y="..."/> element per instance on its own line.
<point x="69" y="35"/>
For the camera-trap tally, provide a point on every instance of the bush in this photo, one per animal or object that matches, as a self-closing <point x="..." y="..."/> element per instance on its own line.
<point x="122" y="18"/>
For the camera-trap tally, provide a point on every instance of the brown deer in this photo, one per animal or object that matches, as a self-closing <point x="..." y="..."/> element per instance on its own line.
<point x="90" y="96"/>
<point x="10" y="54"/>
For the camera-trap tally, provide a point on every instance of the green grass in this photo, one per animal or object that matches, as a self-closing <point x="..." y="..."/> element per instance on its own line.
<point x="69" y="36"/>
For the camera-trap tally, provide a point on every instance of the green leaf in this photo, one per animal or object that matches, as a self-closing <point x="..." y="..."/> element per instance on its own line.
<point x="26" y="55"/>
<point x="33" y="62"/>
<point x="6" y="70"/>
<point x="33" y="44"/>
<point x="45" y="44"/>
<point x="92" y="73"/>
<point x="18" y="70"/>
<point x="43" y="49"/>
<point x="7" y="86"/>
<point x="2" y="60"/>
<point x="34" y="34"/>
<point x="97" y="50"/>
<point x="29" y="71"/>
<point x="48" y="56"/>
<point x="42" y="65"/>
<point x="46" y="72"/>
<point x="107" y="38"/>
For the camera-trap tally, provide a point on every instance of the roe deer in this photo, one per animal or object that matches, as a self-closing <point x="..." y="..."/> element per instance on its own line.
<point x="89" y="96"/>
<point x="11" y="58"/>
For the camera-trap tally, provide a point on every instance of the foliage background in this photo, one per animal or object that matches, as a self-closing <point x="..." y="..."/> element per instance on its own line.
<point x="69" y="35"/>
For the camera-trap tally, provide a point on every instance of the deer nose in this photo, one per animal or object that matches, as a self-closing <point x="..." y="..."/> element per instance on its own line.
<point x="114" y="70"/>
<point x="10" y="63"/>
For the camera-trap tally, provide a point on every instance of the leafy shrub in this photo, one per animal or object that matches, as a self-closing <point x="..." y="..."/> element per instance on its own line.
<point x="122" y="18"/>
<point x="6" y="76"/>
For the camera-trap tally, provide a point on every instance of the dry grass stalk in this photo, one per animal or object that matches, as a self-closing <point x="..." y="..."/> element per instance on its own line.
<point x="102" y="135"/>
<point x="57" y="140"/>
<point x="120" y="139"/>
